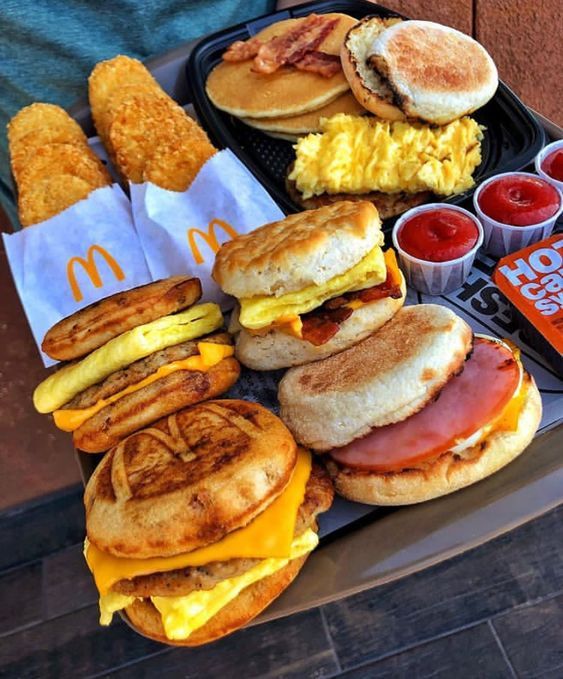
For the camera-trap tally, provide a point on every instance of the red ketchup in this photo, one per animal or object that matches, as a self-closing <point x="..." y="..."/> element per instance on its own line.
<point x="553" y="164"/>
<point x="519" y="201"/>
<point x="438" y="235"/>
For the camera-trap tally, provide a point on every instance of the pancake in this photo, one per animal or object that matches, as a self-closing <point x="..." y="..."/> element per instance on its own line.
<point x="306" y="123"/>
<point x="188" y="480"/>
<point x="235" y="88"/>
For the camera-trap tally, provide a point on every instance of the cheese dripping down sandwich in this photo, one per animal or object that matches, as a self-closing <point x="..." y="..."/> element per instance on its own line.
<point x="417" y="410"/>
<point x="135" y="357"/>
<point x="199" y="522"/>
<point x="309" y="285"/>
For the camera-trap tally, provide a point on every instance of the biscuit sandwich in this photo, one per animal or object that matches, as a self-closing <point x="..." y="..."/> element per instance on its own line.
<point x="199" y="522"/>
<point x="416" y="69"/>
<point x="419" y="409"/>
<point x="310" y="285"/>
<point x="135" y="357"/>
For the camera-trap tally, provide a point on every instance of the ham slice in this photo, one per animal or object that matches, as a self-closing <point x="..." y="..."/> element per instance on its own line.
<point x="465" y="405"/>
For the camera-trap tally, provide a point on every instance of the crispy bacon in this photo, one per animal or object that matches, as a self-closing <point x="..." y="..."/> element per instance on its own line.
<point x="322" y="324"/>
<point x="320" y="63"/>
<point x="242" y="50"/>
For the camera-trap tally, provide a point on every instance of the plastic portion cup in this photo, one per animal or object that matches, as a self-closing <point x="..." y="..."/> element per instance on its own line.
<point x="502" y="239"/>
<point x="435" y="278"/>
<point x="542" y="155"/>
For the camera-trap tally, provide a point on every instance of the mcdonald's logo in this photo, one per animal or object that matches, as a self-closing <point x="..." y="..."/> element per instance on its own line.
<point x="210" y="237"/>
<point x="89" y="266"/>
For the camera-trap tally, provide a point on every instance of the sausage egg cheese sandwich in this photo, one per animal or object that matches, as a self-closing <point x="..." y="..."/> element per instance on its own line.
<point x="416" y="410"/>
<point x="309" y="285"/>
<point x="199" y="522"/>
<point x="149" y="353"/>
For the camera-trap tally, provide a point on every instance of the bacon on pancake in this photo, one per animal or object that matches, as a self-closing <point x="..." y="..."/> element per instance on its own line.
<point x="242" y="50"/>
<point x="320" y="63"/>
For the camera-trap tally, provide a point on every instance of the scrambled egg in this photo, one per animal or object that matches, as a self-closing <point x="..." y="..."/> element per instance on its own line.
<point x="183" y="615"/>
<point x="358" y="154"/>
<point x="260" y="311"/>
<point x="123" y="350"/>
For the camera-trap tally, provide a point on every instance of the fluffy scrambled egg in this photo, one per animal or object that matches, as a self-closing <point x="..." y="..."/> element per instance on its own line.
<point x="183" y="615"/>
<point x="359" y="154"/>
<point x="260" y="311"/>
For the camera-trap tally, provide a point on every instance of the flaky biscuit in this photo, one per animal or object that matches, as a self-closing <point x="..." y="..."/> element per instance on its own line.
<point x="111" y="79"/>
<point x="307" y="248"/>
<point x="79" y="161"/>
<point x="51" y="195"/>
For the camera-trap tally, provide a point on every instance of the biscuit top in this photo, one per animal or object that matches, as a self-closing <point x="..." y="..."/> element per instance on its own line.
<point x="308" y="248"/>
<point x="188" y="480"/>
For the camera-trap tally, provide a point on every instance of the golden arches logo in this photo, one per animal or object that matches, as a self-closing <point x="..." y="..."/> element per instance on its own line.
<point x="210" y="237"/>
<point x="89" y="266"/>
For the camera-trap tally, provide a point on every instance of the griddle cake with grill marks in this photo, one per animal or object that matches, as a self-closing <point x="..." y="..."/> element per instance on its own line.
<point x="188" y="480"/>
<point x="96" y="324"/>
<point x="318" y="498"/>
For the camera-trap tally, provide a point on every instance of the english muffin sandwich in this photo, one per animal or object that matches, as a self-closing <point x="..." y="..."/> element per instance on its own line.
<point x="416" y="69"/>
<point x="135" y="357"/>
<point x="198" y="523"/>
<point x="417" y="410"/>
<point x="310" y="285"/>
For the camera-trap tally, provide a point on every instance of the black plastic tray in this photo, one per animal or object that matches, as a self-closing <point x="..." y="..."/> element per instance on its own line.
<point x="512" y="139"/>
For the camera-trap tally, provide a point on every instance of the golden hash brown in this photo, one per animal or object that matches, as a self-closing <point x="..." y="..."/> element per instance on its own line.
<point x="108" y="79"/>
<point x="51" y="195"/>
<point x="175" y="166"/>
<point x="140" y="125"/>
<point x="63" y="159"/>
<point x="40" y="116"/>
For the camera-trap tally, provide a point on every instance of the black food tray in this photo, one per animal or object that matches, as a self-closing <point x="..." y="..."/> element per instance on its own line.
<point x="512" y="139"/>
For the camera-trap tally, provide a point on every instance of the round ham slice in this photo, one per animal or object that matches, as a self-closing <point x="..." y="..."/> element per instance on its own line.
<point x="467" y="403"/>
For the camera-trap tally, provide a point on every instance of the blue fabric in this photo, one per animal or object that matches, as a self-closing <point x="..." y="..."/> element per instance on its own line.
<point x="49" y="47"/>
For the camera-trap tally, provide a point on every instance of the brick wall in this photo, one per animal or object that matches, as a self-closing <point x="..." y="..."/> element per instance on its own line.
<point x="522" y="36"/>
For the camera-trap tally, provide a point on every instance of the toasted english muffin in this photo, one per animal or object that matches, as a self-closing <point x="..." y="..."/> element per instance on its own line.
<point x="188" y="480"/>
<point x="277" y="349"/>
<point x="98" y="323"/>
<point x="368" y="86"/>
<point x="436" y="74"/>
<point x="308" y="248"/>
<point x="449" y="471"/>
<point x="246" y="606"/>
<point x="236" y="88"/>
<point x="385" y="378"/>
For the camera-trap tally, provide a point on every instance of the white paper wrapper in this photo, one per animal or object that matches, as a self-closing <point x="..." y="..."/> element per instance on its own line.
<point x="89" y="251"/>
<point x="180" y="232"/>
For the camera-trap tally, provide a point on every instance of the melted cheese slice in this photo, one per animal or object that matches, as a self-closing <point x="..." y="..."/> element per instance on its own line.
<point x="270" y="534"/>
<point x="183" y="615"/>
<point x="261" y="311"/>
<point x="62" y="386"/>
<point x="209" y="355"/>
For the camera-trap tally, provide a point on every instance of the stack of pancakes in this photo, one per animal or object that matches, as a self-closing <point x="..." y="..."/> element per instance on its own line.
<point x="289" y="102"/>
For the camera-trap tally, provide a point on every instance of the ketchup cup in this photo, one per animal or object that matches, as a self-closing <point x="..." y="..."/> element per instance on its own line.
<point x="435" y="278"/>
<point x="542" y="155"/>
<point x="502" y="239"/>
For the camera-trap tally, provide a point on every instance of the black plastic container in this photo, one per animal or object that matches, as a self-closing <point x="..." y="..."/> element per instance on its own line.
<point x="512" y="139"/>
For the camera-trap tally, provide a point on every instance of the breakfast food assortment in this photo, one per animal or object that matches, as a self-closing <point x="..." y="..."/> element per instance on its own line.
<point x="309" y="285"/>
<point x="141" y="355"/>
<point x="194" y="545"/>
<point x="52" y="164"/>
<point x="202" y="511"/>
<point x="148" y="136"/>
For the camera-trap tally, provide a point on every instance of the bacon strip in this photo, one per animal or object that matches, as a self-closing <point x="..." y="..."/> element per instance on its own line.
<point x="320" y="63"/>
<point x="242" y="50"/>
